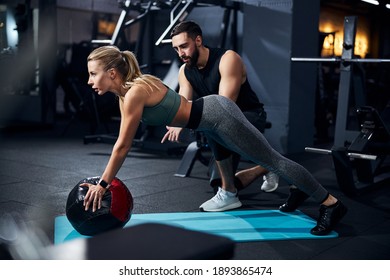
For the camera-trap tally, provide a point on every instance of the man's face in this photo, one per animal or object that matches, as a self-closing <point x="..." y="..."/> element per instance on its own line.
<point x="186" y="49"/>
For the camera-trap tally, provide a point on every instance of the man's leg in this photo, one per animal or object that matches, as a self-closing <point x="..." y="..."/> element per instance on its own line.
<point x="225" y="168"/>
<point x="230" y="167"/>
<point x="243" y="178"/>
<point x="247" y="176"/>
<point x="226" y="195"/>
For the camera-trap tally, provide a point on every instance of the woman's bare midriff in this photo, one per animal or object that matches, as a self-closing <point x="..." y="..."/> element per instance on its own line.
<point x="183" y="114"/>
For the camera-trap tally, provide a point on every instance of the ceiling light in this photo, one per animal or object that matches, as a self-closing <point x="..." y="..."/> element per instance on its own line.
<point x="374" y="2"/>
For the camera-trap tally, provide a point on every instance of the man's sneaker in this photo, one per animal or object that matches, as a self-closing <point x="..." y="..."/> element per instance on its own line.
<point x="222" y="201"/>
<point x="271" y="182"/>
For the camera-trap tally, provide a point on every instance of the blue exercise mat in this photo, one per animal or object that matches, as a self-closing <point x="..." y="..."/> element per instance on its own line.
<point x="238" y="225"/>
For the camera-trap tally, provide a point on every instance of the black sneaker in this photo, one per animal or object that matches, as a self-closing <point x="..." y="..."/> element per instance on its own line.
<point x="294" y="200"/>
<point x="329" y="218"/>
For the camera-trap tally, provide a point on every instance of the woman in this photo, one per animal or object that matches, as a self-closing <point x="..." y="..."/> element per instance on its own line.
<point x="145" y="98"/>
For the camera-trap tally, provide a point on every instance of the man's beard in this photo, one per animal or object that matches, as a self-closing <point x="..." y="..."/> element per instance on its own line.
<point x="193" y="59"/>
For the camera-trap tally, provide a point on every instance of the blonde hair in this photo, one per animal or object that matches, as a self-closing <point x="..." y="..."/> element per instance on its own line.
<point x="125" y="63"/>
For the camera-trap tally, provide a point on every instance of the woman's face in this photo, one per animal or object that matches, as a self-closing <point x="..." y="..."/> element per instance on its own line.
<point x="99" y="79"/>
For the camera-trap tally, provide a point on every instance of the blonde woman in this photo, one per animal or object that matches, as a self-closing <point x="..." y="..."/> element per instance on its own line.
<point x="145" y="98"/>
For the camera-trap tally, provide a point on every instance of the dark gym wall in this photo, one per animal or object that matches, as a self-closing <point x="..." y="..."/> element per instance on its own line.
<point x="27" y="84"/>
<point x="47" y="53"/>
<point x="273" y="32"/>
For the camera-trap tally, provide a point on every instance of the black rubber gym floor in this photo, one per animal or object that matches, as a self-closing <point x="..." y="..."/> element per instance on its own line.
<point x="38" y="168"/>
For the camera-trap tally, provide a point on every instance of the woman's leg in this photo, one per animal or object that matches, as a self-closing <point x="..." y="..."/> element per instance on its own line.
<point x="222" y="120"/>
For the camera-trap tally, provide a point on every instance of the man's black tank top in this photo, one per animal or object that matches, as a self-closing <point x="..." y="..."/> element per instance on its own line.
<point x="206" y="81"/>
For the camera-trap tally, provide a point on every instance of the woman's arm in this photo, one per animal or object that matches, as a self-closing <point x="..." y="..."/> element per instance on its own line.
<point x="131" y="109"/>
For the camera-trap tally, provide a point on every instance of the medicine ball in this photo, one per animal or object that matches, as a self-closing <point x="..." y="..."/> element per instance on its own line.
<point x="117" y="205"/>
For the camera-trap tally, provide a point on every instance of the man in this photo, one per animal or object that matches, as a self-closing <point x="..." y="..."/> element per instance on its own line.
<point x="218" y="71"/>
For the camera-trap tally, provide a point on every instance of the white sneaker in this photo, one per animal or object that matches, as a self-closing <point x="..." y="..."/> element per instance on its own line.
<point x="271" y="182"/>
<point x="222" y="201"/>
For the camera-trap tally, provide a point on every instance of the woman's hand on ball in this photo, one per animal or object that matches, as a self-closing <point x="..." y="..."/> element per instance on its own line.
<point x="94" y="196"/>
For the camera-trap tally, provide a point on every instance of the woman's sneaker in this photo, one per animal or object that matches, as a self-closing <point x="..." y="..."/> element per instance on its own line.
<point x="222" y="201"/>
<point x="294" y="200"/>
<point x="271" y="182"/>
<point x="329" y="217"/>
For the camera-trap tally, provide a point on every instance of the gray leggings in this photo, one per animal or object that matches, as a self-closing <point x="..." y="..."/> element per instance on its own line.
<point x="223" y="121"/>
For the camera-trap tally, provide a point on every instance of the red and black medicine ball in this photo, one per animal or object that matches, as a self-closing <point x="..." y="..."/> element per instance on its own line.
<point x="117" y="206"/>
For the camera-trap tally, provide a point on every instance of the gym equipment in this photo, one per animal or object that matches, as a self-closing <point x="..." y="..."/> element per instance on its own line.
<point x="122" y="24"/>
<point x="237" y="225"/>
<point x="362" y="139"/>
<point x="193" y="152"/>
<point x="186" y="7"/>
<point x="116" y="210"/>
<point x="362" y="164"/>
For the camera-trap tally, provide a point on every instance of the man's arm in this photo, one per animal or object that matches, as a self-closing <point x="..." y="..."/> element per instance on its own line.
<point x="233" y="75"/>
<point x="185" y="88"/>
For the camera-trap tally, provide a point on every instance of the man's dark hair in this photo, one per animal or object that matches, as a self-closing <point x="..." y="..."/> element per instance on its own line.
<point x="190" y="27"/>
